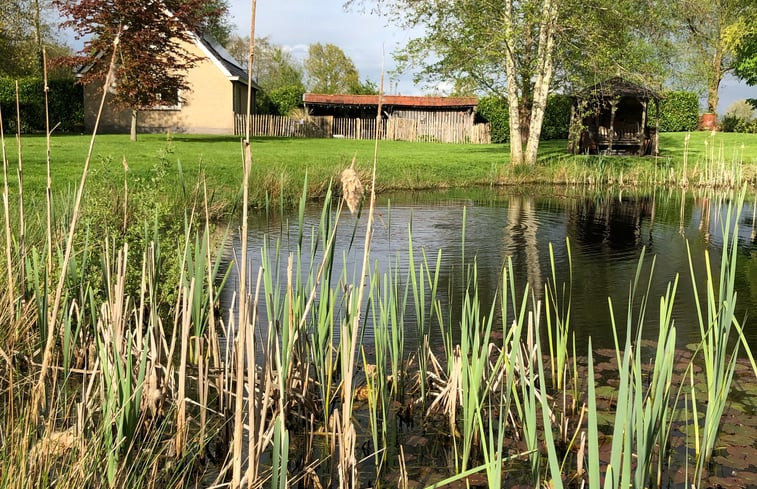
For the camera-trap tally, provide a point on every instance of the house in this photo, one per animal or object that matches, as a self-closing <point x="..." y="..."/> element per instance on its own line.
<point x="216" y="103"/>
<point x="612" y="117"/>
<point x="408" y="118"/>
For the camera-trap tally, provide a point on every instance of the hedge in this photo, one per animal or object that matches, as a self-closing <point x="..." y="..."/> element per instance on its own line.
<point x="66" y="103"/>
<point x="679" y="111"/>
<point x="556" y="117"/>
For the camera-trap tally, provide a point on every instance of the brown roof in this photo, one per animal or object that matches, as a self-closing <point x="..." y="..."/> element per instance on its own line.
<point x="618" y="86"/>
<point x="394" y="100"/>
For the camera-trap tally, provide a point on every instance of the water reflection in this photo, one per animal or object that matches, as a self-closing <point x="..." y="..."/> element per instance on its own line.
<point x="607" y="233"/>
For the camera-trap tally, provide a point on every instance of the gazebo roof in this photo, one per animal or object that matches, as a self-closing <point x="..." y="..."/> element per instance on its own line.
<point x="618" y="86"/>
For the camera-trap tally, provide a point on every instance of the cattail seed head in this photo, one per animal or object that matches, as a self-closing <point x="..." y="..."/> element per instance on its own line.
<point x="352" y="189"/>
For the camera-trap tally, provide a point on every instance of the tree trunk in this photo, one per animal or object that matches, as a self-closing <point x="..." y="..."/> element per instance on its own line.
<point x="543" y="79"/>
<point x="713" y="82"/>
<point x="516" y="145"/>
<point x="38" y="36"/>
<point x="133" y="133"/>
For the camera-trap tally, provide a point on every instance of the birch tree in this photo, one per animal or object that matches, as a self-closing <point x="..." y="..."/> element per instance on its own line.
<point x="517" y="48"/>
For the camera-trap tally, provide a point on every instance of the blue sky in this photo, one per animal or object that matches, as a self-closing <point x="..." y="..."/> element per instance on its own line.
<point x="295" y="24"/>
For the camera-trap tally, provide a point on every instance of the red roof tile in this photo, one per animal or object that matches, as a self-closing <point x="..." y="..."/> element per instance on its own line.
<point x="395" y="100"/>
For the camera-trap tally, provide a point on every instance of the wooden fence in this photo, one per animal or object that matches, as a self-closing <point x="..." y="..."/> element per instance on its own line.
<point x="445" y="128"/>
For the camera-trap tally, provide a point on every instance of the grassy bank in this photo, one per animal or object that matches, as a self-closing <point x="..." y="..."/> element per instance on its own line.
<point x="118" y="369"/>
<point x="280" y="165"/>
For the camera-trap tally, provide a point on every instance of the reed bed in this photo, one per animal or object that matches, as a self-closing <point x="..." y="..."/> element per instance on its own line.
<point x="108" y="380"/>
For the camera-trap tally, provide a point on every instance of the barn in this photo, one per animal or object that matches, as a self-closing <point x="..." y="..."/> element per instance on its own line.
<point x="406" y="118"/>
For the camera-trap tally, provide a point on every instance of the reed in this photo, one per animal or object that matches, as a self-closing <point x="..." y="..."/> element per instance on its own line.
<point x="717" y="316"/>
<point x="557" y="309"/>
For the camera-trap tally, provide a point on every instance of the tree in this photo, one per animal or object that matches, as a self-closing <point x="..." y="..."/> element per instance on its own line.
<point x="515" y="48"/>
<point x="151" y="61"/>
<point x="709" y="30"/>
<point x="23" y="32"/>
<point x="329" y="70"/>
<point x="366" y="87"/>
<point x="741" y="37"/>
<point x="276" y="70"/>
<point x="216" y="22"/>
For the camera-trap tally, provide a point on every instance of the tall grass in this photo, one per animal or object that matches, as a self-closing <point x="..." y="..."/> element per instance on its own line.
<point x="717" y="317"/>
<point x="100" y="378"/>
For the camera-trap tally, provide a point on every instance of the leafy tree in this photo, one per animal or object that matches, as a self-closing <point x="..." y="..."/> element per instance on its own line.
<point x="276" y="70"/>
<point x="23" y="32"/>
<point x="286" y="98"/>
<point x="151" y="61"/>
<point x="711" y="32"/>
<point x="519" y="49"/>
<point x="275" y="67"/>
<point x="742" y="38"/>
<point x="329" y="70"/>
<point x="216" y="22"/>
<point x="366" y="87"/>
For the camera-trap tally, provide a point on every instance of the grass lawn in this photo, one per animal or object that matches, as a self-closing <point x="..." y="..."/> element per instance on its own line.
<point x="280" y="165"/>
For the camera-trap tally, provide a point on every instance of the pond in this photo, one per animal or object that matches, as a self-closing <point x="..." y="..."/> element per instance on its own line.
<point x="603" y="233"/>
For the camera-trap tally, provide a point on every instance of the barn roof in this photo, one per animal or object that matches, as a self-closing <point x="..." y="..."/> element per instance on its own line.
<point x="618" y="86"/>
<point x="341" y="100"/>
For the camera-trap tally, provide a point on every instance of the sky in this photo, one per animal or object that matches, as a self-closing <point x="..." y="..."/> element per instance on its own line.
<point x="294" y="24"/>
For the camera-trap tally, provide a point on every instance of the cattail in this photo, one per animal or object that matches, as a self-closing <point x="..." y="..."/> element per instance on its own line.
<point x="352" y="189"/>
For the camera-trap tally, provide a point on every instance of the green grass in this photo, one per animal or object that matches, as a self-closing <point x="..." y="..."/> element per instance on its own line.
<point x="280" y="165"/>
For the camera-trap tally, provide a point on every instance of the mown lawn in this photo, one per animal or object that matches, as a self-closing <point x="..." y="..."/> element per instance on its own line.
<point x="280" y="165"/>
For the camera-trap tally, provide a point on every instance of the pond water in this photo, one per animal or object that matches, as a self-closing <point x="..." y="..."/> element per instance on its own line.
<point x="607" y="233"/>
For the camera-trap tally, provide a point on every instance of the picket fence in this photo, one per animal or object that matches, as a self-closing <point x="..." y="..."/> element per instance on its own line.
<point x="437" y="129"/>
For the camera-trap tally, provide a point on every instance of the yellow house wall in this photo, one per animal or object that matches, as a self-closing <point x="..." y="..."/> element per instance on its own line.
<point x="207" y="108"/>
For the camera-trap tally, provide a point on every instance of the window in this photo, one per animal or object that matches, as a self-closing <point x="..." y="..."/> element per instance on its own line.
<point x="170" y="101"/>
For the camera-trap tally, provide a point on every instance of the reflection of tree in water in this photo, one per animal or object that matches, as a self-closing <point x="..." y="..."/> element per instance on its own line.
<point x="609" y="223"/>
<point x="520" y="237"/>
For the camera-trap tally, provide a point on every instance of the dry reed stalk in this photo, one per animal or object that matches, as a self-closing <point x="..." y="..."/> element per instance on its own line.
<point x="255" y="418"/>
<point x="251" y="59"/>
<point x="402" y="483"/>
<point x="21" y="213"/>
<point x="48" y="188"/>
<point x="213" y="344"/>
<point x="181" y="411"/>
<point x="242" y="327"/>
<point x="347" y="463"/>
<point x="8" y="238"/>
<point x="50" y="341"/>
<point x="126" y="191"/>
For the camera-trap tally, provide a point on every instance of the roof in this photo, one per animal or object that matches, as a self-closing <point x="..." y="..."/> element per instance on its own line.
<point x="226" y="61"/>
<point x="217" y="53"/>
<point x="618" y="86"/>
<point x="390" y="100"/>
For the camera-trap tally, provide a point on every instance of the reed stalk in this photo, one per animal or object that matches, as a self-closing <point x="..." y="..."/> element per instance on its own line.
<point x="11" y="288"/>
<point x="716" y="314"/>
<point x="50" y="341"/>
<point x="21" y="213"/>
<point x="558" y="306"/>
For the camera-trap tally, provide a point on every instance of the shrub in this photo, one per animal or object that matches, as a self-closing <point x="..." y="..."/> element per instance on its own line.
<point x="679" y="111"/>
<point x="494" y="110"/>
<point x="739" y="117"/>
<point x="66" y="104"/>
<point x="281" y="100"/>
<point x="557" y="117"/>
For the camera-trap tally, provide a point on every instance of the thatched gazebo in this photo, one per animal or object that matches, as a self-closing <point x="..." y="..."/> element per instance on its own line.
<point x="612" y="118"/>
